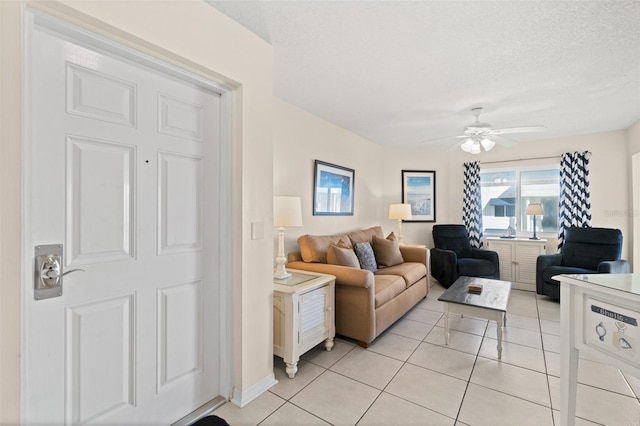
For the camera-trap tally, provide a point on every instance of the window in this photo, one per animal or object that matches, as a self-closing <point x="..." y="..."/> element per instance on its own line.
<point x="507" y="192"/>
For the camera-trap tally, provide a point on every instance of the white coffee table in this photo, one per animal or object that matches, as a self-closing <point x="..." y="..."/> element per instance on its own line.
<point x="491" y="304"/>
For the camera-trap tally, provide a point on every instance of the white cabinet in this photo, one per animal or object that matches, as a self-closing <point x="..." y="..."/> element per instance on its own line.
<point x="518" y="258"/>
<point x="303" y="315"/>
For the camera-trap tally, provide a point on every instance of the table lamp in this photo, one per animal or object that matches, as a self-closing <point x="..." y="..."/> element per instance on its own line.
<point x="287" y="211"/>
<point x="400" y="212"/>
<point x="534" y="209"/>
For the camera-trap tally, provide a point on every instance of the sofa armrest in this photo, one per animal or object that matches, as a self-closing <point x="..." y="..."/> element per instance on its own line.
<point x="614" y="267"/>
<point x="543" y="262"/>
<point x="415" y="254"/>
<point x="546" y="260"/>
<point x="444" y="266"/>
<point x="344" y="275"/>
<point x="489" y="255"/>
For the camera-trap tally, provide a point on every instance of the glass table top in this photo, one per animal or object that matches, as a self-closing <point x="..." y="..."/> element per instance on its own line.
<point x="628" y="283"/>
<point x="295" y="279"/>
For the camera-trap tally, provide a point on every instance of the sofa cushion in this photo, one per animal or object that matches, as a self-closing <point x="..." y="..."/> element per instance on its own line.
<point x="365" y="235"/>
<point x="365" y="255"/>
<point x="411" y="272"/>
<point x="387" y="251"/>
<point x="313" y="248"/>
<point x="387" y="288"/>
<point x="552" y="271"/>
<point x="343" y="256"/>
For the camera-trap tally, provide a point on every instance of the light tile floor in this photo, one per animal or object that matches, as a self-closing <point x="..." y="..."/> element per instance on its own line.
<point x="408" y="376"/>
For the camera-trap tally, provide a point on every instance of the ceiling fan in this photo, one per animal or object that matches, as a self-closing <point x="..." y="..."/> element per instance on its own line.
<point x="478" y="136"/>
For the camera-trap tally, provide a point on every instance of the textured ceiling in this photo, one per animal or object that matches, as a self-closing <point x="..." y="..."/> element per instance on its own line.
<point x="401" y="73"/>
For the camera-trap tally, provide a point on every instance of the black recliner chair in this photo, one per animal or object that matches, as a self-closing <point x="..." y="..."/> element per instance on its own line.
<point x="453" y="256"/>
<point x="585" y="251"/>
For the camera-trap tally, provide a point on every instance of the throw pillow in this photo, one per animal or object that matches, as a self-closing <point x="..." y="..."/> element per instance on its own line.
<point x="365" y="255"/>
<point x="344" y="256"/>
<point x="387" y="251"/>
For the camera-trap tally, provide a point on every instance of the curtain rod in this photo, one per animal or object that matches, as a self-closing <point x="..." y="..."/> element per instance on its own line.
<point x="525" y="159"/>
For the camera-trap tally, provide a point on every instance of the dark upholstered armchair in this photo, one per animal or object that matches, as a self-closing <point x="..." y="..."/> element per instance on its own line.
<point x="585" y="251"/>
<point x="453" y="256"/>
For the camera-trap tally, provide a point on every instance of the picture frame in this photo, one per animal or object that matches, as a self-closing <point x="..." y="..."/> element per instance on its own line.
<point x="333" y="189"/>
<point x="419" y="190"/>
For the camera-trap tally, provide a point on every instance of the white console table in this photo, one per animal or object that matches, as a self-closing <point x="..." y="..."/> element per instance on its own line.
<point x="518" y="258"/>
<point x="599" y="315"/>
<point x="303" y="315"/>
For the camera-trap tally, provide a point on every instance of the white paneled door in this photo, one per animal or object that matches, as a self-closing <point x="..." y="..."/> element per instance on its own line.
<point x="121" y="168"/>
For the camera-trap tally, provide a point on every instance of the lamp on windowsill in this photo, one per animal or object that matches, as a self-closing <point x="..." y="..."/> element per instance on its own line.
<point x="400" y="212"/>
<point x="534" y="209"/>
<point x="287" y="211"/>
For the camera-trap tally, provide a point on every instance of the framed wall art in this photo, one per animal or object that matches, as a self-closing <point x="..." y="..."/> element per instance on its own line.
<point x="419" y="190"/>
<point x="332" y="190"/>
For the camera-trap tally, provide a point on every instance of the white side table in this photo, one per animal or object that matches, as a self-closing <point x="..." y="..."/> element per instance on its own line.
<point x="303" y="315"/>
<point x="599" y="316"/>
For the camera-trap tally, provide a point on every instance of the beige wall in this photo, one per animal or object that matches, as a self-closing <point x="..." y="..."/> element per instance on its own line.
<point x="299" y="139"/>
<point x="396" y="160"/>
<point x="197" y="37"/>
<point x="634" y="138"/>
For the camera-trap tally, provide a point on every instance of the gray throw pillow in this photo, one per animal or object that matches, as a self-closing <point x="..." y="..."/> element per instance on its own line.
<point x="366" y="257"/>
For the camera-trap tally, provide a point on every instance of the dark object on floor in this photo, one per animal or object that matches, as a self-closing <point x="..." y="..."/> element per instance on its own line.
<point x="211" y="421"/>
<point x="454" y="257"/>
<point x="585" y="251"/>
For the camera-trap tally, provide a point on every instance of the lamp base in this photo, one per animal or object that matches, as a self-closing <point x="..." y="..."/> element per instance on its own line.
<point x="281" y="275"/>
<point x="281" y="272"/>
<point x="534" y="238"/>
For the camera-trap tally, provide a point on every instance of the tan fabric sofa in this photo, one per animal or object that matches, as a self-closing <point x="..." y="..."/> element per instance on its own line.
<point x="367" y="303"/>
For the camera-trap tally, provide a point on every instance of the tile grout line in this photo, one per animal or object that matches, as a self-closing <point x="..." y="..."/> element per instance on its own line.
<point x="546" y="368"/>
<point x="466" y="388"/>
<point x="396" y="373"/>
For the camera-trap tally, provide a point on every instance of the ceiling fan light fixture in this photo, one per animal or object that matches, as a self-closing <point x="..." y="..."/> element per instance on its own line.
<point x="487" y="144"/>
<point x="467" y="145"/>
<point x="478" y="136"/>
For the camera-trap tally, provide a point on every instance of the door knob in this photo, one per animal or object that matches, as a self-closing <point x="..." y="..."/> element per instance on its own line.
<point x="48" y="271"/>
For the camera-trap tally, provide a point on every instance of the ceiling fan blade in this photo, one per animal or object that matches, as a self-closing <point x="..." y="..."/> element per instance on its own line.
<point x="434" y="139"/>
<point x="455" y="146"/>
<point x="502" y="141"/>
<point x="525" y="129"/>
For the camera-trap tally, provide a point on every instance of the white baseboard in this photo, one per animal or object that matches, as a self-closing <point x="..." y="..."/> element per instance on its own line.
<point x="243" y="397"/>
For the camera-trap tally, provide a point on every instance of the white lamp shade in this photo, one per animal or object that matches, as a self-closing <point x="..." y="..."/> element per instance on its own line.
<point x="534" y="209"/>
<point x="467" y="145"/>
<point x="487" y="144"/>
<point x="400" y="211"/>
<point x="287" y="211"/>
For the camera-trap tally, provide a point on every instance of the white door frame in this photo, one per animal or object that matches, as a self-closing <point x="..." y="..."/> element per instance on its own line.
<point x="635" y="219"/>
<point x="33" y="19"/>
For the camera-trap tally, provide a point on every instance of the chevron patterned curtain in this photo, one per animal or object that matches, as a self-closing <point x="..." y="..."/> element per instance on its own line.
<point x="575" y="196"/>
<point x="472" y="203"/>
